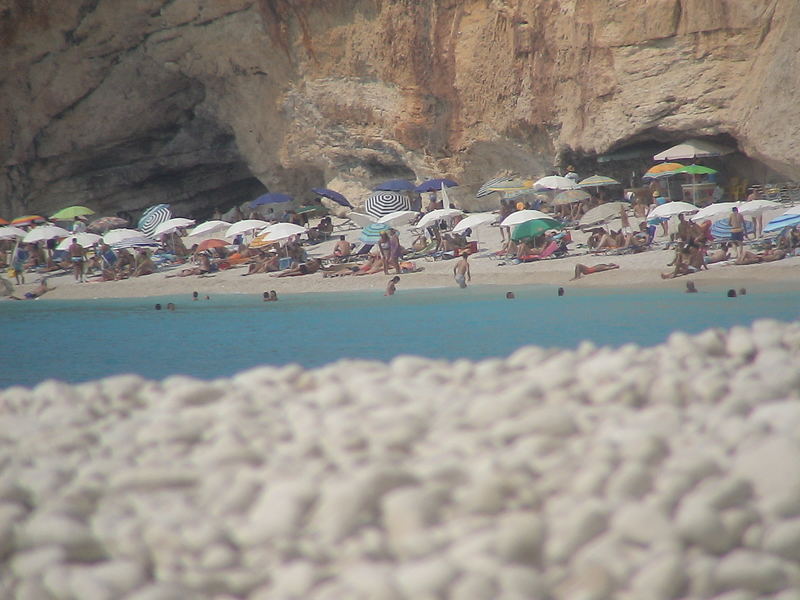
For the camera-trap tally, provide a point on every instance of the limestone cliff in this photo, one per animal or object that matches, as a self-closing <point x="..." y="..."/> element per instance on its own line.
<point x="203" y="102"/>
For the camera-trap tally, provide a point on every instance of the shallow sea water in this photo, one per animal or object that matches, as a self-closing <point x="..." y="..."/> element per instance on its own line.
<point x="82" y="340"/>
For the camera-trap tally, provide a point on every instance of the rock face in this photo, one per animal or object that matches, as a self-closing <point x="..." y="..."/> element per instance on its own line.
<point x="202" y="103"/>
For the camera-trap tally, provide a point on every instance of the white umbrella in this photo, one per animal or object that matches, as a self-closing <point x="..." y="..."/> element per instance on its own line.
<point x="361" y="219"/>
<point x="281" y="231"/>
<point x="795" y="210"/>
<point x="473" y="221"/>
<point x="208" y="227"/>
<point x="713" y="211"/>
<point x="756" y="207"/>
<point x="399" y="217"/>
<point x="11" y="232"/>
<point x="171" y="226"/>
<point x="117" y="235"/>
<point x="604" y="212"/>
<point x="671" y="209"/>
<point x="555" y="182"/>
<point x="692" y="149"/>
<point x="438" y="215"/>
<point x="523" y="216"/>
<point x="244" y="227"/>
<point x="139" y="241"/>
<point x="84" y="238"/>
<point x="44" y="232"/>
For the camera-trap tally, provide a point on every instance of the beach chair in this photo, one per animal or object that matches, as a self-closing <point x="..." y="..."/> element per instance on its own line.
<point x="546" y="253"/>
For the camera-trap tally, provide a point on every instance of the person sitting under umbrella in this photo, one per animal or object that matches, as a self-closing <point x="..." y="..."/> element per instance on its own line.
<point x="264" y="263"/>
<point x="144" y="264"/>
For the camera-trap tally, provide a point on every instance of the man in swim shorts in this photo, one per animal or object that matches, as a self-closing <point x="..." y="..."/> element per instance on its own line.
<point x="461" y="271"/>
<point x="76" y="255"/>
<point x="736" y="223"/>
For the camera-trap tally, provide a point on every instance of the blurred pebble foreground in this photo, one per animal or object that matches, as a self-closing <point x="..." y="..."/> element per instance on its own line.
<point x="667" y="472"/>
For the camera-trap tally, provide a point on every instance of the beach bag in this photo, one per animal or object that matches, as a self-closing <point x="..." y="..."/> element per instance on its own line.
<point x="12" y="272"/>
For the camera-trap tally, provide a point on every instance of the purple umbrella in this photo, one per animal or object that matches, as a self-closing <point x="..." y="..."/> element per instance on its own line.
<point x="270" y="198"/>
<point x="332" y="195"/>
<point x="434" y="185"/>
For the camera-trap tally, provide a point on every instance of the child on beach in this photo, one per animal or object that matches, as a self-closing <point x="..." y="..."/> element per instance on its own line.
<point x="391" y="288"/>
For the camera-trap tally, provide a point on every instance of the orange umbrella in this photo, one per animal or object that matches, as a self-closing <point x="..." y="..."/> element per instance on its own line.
<point x="28" y="220"/>
<point x="662" y="169"/>
<point x="212" y="243"/>
<point x="3" y="222"/>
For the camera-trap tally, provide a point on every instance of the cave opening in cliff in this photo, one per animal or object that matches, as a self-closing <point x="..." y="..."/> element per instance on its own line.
<point x="629" y="159"/>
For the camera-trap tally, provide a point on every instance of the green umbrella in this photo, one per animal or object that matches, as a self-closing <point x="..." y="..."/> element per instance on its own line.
<point x="696" y="170"/>
<point x="530" y="229"/>
<point x="66" y="214"/>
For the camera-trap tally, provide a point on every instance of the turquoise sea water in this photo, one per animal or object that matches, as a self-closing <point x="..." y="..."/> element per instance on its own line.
<point x="83" y="340"/>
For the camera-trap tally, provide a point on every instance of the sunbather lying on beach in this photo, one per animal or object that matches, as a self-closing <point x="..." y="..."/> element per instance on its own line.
<point x="203" y="267"/>
<point x="586" y="270"/>
<point x="306" y="268"/>
<point x="36" y="292"/>
<point x="263" y="264"/>
<point x="770" y="255"/>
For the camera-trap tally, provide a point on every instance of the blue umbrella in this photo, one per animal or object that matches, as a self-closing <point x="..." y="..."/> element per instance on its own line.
<point x="395" y="185"/>
<point x="332" y="195"/>
<point x="721" y="230"/>
<point x="434" y="185"/>
<point x="782" y="221"/>
<point x="371" y="234"/>
<point x="270" y="198"/>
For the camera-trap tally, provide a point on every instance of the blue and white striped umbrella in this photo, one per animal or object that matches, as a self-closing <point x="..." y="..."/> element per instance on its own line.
<point x="721" y="230"/>
<point x="383" y="203"/>
<point x="785" y="220"/>
<point x="371" y="234"/>
<point x="153" y="217"/>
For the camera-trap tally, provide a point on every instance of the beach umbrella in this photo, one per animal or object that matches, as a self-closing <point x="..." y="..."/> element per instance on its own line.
<point x="514" y="184"/>
<point x="171" y="226"/>
<point x="395" y="185"/>
<point x="570" y="197"/>
<point x="693" y="149"/>
<point x="104" y="224"/>
<point x="10" y="232"/>
<point x="400" y="217"/>
<point x="781" y="222"/>
<point x="662" y="170"/>
<point x="3" y="222"/>
<point x="721" y="229"/>
<point x="117" y="235"/>
<point x="383" y="203"/>
<point x="84" y="238"/>
<point x="525" y="195"/>
<point x="490" y="186"/>
<point x="598" y="181"/>
<point x="602" y="213"/>
<point x="139" y="241"/>
<point x="533" y="228"/>
<point x="211" y="243"/>
<point x="361" y="219"/>
<point x="270" y="198"/>
<point x="696" y="170"/>
<point x="371" y="234"/>
<point x="756" y="207"/>
<point x="261" y="241"/>
<point x="332" y="195"/>
<point x="671" y="209"/>
<point x="152" y="218"/>
<point x="714" y="211"/>
<point x="27" y="220"/>
<point x="795" y="210"/>
<point x="44" y="232"/>
<point x="70" y="212"/>
<point x="521" y="216"/>
<point x="208" y="227"/>
<point x="434" y="185"/>
<point x="245" y="226"/>
<point x="554" y="182"/>
<point x="281" y="231"/>
<point x="439" y="214"/>
<point x="473" y="221"/>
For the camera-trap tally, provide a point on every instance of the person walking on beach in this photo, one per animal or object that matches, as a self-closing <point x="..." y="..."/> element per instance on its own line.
<point x="736" y="222"/>
<point x="461" y="271"/>
<point x="76" y="255"/>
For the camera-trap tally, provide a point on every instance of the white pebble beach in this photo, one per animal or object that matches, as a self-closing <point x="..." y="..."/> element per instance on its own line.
<point x="665" y="472"/>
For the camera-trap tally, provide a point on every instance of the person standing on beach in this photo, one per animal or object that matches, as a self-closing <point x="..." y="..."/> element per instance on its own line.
<point x="461" y="271"/>
<point x="736" y="222"/>
<point x="395" y="250"/>
<point x="76" y="255"/>
<point x="383" y="247"/>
